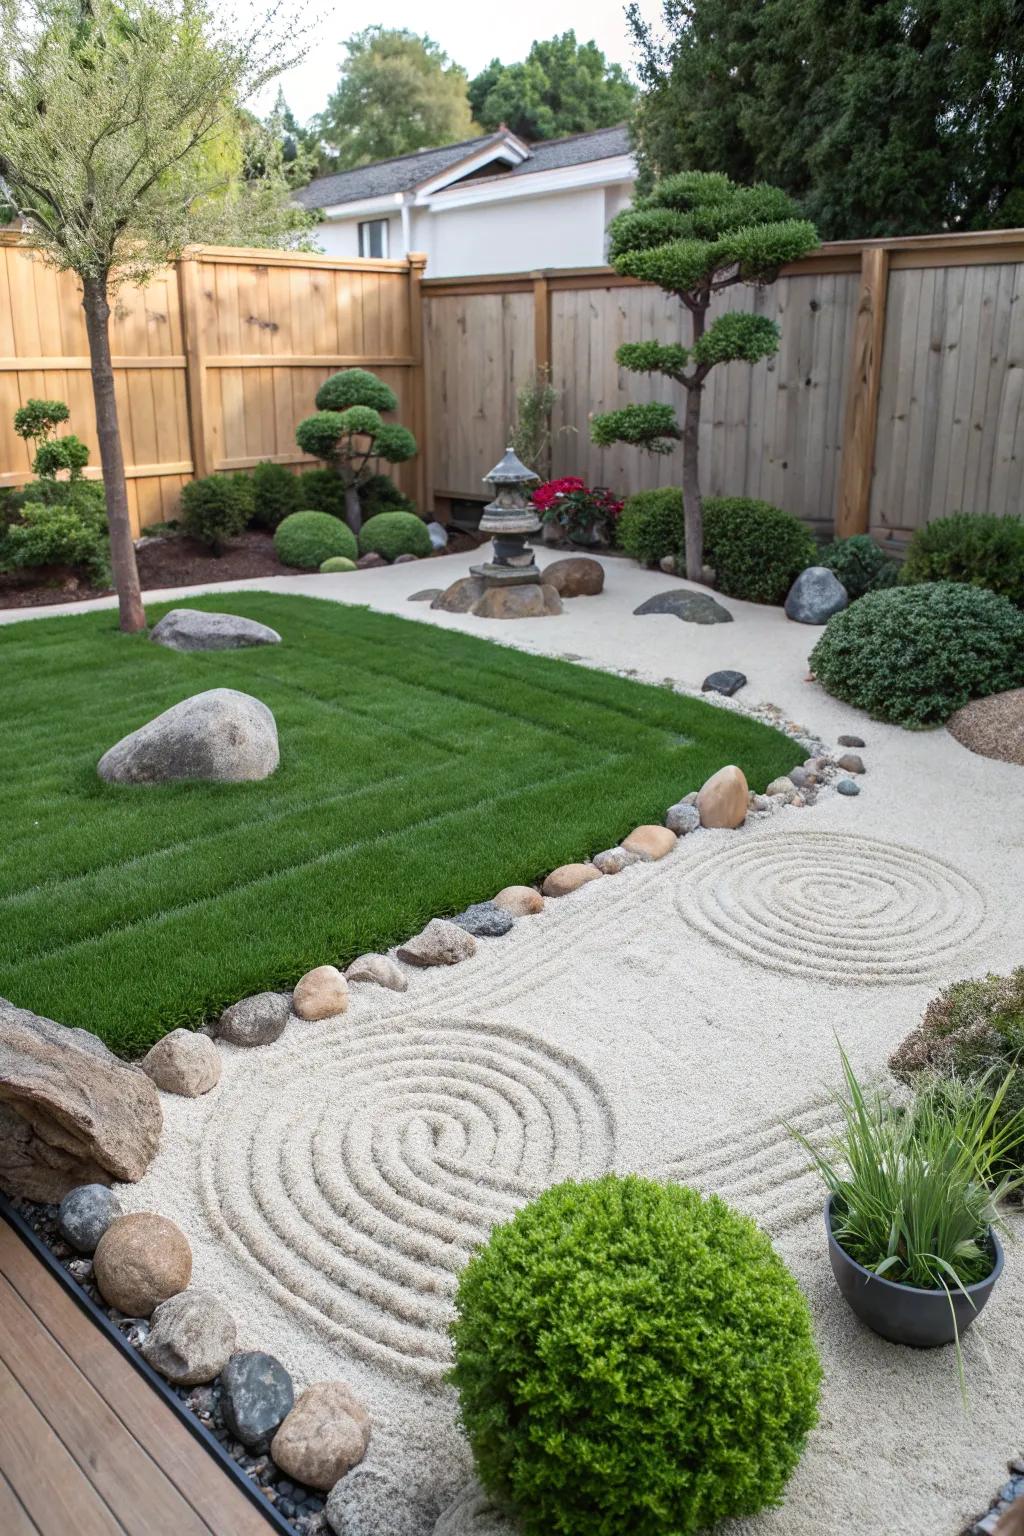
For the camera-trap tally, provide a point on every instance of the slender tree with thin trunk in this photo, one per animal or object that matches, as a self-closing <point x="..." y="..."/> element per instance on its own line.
<point x="117" y="120"/>
<point x="697" y="234"/>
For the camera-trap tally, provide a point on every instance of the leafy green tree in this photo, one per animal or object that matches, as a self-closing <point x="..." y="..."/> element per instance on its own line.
<point x="696" y="234"/>
<point x="561" y="87"/>
<point x="294" y="148"/>
<point x="397" y="92"/>
<point x="348" y="432"/>
<point x="880" y="117"/>
<point x="112" y="119"/>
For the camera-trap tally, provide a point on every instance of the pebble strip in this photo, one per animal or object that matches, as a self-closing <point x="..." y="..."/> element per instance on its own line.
<point x="1012" y="1492"/>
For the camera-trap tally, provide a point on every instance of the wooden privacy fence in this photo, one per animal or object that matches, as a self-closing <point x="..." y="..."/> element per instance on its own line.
<point x="216" y="359"/>
<point x="897" y="394"/>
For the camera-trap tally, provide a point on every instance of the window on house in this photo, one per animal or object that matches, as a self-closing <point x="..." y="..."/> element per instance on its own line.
<point x="373" y="238"/>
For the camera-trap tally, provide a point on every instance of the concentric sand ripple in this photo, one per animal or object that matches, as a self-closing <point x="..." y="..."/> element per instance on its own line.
<point x="357" y="1176"/>
<point x="827" y="905"/>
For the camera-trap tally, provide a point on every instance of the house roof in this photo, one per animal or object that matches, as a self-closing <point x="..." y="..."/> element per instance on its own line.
<point x="406" y="172"/>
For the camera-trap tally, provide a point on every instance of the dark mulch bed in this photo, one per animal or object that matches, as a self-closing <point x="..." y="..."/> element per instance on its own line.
<point x="300" y="1505"/>
<point x="174" y="561"/>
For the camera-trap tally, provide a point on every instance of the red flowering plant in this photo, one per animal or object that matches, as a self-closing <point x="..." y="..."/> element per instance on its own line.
<point x="586" y="516"/>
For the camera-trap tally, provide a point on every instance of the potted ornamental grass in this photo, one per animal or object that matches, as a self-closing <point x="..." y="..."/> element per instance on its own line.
<point x="913" y="1210"/>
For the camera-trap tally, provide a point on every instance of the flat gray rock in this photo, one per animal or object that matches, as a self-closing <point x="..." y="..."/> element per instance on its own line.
<point x="726" y="682"/>
<point x="427" y="595"/>
<point x="484" y="920"/>
<point x="256" y="1020"/>
<point x="691" y="607"/>
<point x="190" y="629"/>
<point x="220" y="735"/>
<point x="438" y="535"/>
<point x="815" y="596"/>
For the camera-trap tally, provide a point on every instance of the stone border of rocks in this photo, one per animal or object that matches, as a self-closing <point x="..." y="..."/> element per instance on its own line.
<point x="125" y="1334"/>
<point x="996" y="1521"/>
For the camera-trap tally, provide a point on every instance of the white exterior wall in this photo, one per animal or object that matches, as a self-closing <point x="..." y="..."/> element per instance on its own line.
<point x="560" y="229"/>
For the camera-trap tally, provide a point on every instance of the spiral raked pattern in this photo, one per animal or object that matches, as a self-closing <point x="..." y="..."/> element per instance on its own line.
<point x="359" y="1176"/>
<point x="831" y="906"/>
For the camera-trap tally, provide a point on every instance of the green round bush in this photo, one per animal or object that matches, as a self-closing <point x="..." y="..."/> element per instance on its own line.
<point x="394" y="533"/>
<point x="757" y="550"/>
<point x="860" y="565"/>
<point x="981" y="551"/>
<point x="307" y="539"/>
<point x="322" y="490"/>
<point x="651" y="525"/>
<point x="913" y="655"/>
<point x="355" y="386"/>
<point x="216" y="508"/>
<point x="337" y="563"/>
<point x="632" y="1357"/>
<point x="275" y="493"/>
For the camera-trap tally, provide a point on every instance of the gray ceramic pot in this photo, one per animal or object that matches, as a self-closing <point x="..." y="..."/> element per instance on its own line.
<point x="905" y="1314"/>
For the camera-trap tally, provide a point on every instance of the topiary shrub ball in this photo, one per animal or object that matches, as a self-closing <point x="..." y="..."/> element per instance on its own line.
<point x="355" y="386"/>
<point x="394" y="533"/>
<point x="757" y="550"/>
<point x="307" y="539"/>
<point x="983" y="551"/>
<point x="913" y="655"/>
<point x="632" y="1357"/>
<point x="337" y="563"/>
<point x="651" y="525"/>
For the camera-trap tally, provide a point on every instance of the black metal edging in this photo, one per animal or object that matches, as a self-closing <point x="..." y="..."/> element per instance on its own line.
<point x="185" y="1416"/>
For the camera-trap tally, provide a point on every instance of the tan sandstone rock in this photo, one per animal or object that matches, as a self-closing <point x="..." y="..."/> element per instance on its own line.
<point x="440" y="943"/>
<point x="650" y="842"/>
<point x="722" y="801"/>
<point x="183" y="1062"/>
<point x="70" y="1112"/>
<point x="379" y="969"/>
<point x="191" y="1338"/>
<point x="569" y="877"/>
<point x="141" y="1260"/>
<point x="460" y="596"/>
<point x="320" y="994"/>
<point x="784" y="788"/>
<point x="578" y="576"/>
<point x="325" y="1435"/>
<point x="529" y="601"/>
<point x="520" y="900"/>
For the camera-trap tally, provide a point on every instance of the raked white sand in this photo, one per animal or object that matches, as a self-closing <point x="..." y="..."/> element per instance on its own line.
<point x="663" y="1020"/>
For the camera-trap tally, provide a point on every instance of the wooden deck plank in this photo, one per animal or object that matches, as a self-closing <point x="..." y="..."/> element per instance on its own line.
<point x="120" y="1469"/>
<point x="14" y="1517"/>
<point x="51" y="1485"/>
<point x="185" y="1463"/>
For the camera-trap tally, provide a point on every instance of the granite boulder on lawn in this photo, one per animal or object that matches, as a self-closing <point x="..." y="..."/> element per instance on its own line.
<point x="190" y="629"/>
<point x="70" y="1111"/>
<point x="220" y="736"/>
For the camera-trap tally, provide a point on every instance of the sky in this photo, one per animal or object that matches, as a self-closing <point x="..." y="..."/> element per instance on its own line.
<point x="472" y="32"/>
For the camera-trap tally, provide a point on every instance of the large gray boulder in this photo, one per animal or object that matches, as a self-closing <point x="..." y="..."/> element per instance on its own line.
<point x="190" y="629"/>
<point x="815" y="596"/>
<point x="221" y="735"/>
<point x="70" y="1112"/>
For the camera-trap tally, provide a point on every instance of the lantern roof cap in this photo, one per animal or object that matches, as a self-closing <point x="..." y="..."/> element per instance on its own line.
<point x="510" y="471"/>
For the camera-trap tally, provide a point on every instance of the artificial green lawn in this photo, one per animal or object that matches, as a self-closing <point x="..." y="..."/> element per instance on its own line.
<point x="420" y="770"/>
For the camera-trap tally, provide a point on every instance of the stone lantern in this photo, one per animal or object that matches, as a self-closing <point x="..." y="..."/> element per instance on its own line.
<point x="511" y="517"/>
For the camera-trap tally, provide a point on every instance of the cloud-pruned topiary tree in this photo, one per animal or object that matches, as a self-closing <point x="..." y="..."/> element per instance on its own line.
<point x="695" y="235"/>
<point x="348" y="433"/>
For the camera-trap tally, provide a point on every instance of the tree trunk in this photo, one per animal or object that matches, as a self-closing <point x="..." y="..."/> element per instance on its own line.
<point x="693" y="505"/>
<point x="353" y="508"/>
<point x="122" y="548"/>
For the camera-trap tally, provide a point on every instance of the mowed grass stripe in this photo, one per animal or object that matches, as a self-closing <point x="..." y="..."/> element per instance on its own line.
<point x="420" y="770"/>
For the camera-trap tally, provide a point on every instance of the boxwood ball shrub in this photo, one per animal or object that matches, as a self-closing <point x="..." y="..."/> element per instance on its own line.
<point x="982" y="551"/>
<point x="913" y="655"/>
<point x="216" y="508"/>
<point x="337" y="563"/>
<point x="275" y="493"/>
<point x="321" y="490"/>
<point x="632" y="1357"/>
<point x="307" y="539"/>
<point x="394" y="533"/>
<point x="651" y="525"/>
<point x="860" y="564"/>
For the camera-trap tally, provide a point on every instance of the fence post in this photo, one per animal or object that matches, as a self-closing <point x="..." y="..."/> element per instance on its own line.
<point x="190" y="298"/>
<point x="418" y="383"/>
<point x="853" y="509"/>
<point x="541" y="322"/>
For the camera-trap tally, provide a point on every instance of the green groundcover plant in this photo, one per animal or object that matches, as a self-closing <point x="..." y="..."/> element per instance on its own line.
<point x="914" y="655"/>
<point x="394" y="533"/>
<point x="757" y="550"/>
<point x="983" y="551"/>
<point x="130" y="910"/>
<point x="631" y="1356"/>
<point x="307" y="539"/>
<point x="860" y="564"/>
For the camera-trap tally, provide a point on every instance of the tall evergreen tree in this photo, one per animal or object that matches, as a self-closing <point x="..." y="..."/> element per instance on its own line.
<point x="397" y="92"/>
<point x="562" y="87"/>
<point x="880" y="117"/>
